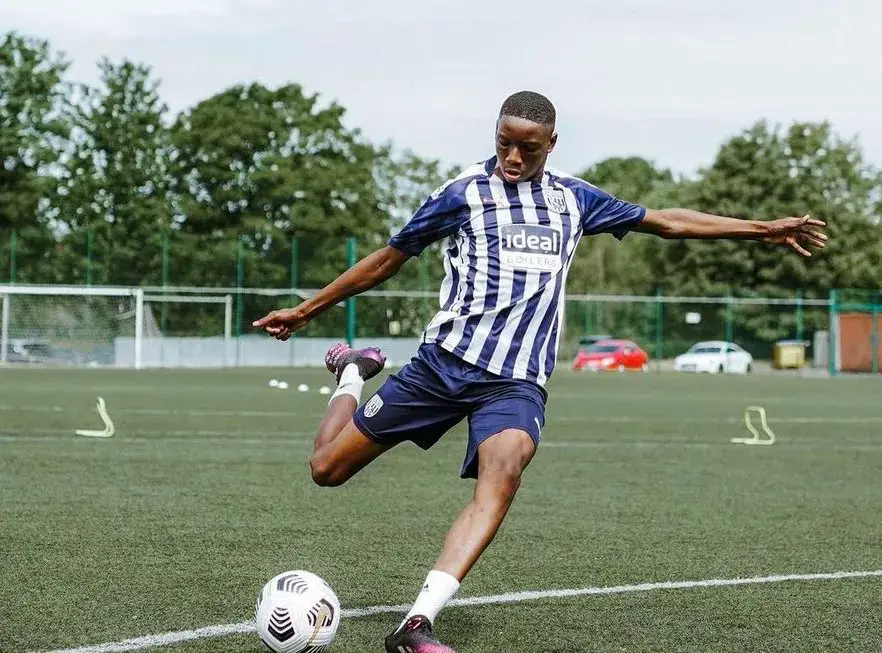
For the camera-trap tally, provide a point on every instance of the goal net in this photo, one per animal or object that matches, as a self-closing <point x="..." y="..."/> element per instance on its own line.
<point x="182" y="330"/>
<point x="114" y="327"/>
<point x="66" y="325"/>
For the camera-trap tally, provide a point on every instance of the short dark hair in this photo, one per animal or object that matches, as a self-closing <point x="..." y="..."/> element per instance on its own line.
<point x="531" y="106"/>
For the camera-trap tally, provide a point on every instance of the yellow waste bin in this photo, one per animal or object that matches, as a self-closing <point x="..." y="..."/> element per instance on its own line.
<point x="789" y="354"/>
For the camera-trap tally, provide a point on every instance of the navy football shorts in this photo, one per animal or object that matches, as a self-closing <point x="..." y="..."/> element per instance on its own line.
<point x="436" y="390"/>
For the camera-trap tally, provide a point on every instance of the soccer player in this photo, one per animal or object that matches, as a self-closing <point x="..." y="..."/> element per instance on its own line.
<point x="511" y="226"/>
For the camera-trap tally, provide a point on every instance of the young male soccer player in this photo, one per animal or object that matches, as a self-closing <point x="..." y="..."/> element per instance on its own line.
<point x="512" y="225"/>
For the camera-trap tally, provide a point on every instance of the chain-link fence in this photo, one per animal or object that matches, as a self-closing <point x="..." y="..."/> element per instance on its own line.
<point x="840" y="333"/>
<point x="242" y="279"/>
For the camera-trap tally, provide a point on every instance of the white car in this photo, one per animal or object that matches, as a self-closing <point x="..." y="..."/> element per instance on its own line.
<point x="715" y="357"/>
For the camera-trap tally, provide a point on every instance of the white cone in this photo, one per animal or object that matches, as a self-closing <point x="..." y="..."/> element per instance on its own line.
<point x="283" y="385"/>
<point x="324" y="390"/>
<point x="303" y="387"/>
<point x="274" y="383"/>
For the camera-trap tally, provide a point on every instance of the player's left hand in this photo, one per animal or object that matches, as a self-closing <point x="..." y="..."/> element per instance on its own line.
<point x="797" y="233"/>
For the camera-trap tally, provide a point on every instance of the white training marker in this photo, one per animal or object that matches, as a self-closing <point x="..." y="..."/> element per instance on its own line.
<point x="303" y="387"/>
<point x="756" y="439"/>
<point x="324" y="390"/>
<point x="274" y="383"/>
<point x="283" y="385"/>
<point x="108" y="424"/>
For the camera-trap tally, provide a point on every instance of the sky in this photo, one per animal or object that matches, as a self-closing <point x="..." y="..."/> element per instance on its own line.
<point x="669" y="80"/>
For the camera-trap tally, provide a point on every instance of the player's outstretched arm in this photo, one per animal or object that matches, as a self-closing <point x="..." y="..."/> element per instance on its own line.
<point x="368" y="273"/>
<point x="797" y="233"/>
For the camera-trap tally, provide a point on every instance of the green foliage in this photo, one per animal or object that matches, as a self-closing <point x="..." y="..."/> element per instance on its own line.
<point x="767" y="173"/>
<point x="405" y="181"/>
<point x="632" y="179"/>
<point x="604" y="265"/>
<point x="31" y="94"/>
<point x="267" y="165"/>
<point x="772" y="172"/>
<point x="113" y="195"/>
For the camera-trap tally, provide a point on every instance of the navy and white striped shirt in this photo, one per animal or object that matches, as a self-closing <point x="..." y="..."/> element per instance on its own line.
<point x="508" y="252"/>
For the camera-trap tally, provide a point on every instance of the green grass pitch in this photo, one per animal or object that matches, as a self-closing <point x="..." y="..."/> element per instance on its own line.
<point x="204" y="493"/>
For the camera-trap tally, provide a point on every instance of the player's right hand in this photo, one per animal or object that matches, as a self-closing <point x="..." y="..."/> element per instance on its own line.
<point x="282" y="323"/>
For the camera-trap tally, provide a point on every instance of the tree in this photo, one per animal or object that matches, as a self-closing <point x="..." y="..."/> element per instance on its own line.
<point x="405" y="181"/>
<point x="114" y="195"/>
<point x="602" y="264"/>
<point x="30" y="127"/>
<point x="632" y="179"/>
<point x="270" y="164"/>
<point x="767" y="173"/>
<point x="770" y="172"/>
<point x="264" y="166"/>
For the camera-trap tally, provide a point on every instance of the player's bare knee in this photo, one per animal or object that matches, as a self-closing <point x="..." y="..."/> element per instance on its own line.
<point x="325" y="473"/>
<point x="509" y="481"/>
<point x="504" y="477"/>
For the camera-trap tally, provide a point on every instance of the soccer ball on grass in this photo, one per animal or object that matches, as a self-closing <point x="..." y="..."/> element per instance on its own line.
<point x="297" y="612"/>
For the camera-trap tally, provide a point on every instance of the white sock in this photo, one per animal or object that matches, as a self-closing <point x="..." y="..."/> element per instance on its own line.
<point x="437" y="591"/>
<point x="350" y="384"/>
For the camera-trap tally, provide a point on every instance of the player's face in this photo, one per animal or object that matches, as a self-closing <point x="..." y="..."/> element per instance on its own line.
<point x="522" y="147"/>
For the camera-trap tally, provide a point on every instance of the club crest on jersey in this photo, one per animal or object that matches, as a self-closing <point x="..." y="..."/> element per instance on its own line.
<point x="555" y="200"/>
<point x="530" y="247"/>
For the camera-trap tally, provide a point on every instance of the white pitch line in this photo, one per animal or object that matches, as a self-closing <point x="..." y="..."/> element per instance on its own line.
<point x="626" y="419"/>
<point x="164" y="411"/>
<point x="167" y="639"/>
<point x="228" y="435"/>
<point x="692" y="444"/>
<point x="166" y="437"/>
<point x="306" y="437"/>
<point x="614" y="419"/>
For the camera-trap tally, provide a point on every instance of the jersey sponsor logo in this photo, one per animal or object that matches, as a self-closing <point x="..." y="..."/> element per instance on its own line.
<point x="373" y="407"/>
<point x="530" y="247"/>
<point x="555" y="200"/>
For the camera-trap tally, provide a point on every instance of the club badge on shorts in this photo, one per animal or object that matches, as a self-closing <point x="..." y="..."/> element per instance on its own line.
<point x="373" y="406"/>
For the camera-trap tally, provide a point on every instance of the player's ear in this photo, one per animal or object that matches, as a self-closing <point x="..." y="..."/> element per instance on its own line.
<point x="552" y="142"/>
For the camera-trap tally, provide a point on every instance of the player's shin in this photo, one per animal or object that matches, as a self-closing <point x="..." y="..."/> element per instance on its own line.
<point x="341" y="406"/>
<point x="337" y="415"/>
<point x="470" y="535"/>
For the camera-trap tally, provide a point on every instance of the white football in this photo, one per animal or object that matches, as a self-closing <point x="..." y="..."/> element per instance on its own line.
<point x="297" y="612"/>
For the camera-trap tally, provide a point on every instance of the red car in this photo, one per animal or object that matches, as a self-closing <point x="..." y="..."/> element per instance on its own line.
<point x="617" y="355"/>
